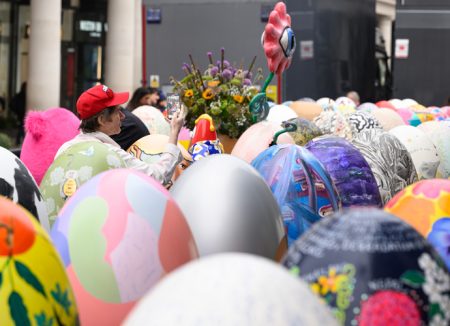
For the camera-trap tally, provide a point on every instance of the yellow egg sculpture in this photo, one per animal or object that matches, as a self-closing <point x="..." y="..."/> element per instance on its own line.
<point x="34" y="288"/>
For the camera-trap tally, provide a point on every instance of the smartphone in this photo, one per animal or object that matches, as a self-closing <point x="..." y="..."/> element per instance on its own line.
<point x="173" y="104"/>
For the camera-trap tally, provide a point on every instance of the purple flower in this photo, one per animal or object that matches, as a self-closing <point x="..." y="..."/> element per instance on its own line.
<point x="248" y="75"/>
<point x="247" y="82"/>
<point x="186" y="68"/>
<point x="209" y="54"/>
<point x="439" y="237"/>
<point x="227" y="74"/>
<point x="213" y="71"/>
<point x="226" y="64"/>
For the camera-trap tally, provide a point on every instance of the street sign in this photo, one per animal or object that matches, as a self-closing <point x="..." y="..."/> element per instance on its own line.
<point x="154" y="81"/>
<point x="401" y="48"/>
<point x="306" y="50"/>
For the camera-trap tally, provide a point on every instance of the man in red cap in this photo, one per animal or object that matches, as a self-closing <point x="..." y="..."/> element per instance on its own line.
<point x="101" y="116"/>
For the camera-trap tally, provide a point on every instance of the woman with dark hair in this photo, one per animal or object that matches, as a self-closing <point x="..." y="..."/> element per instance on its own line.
<point x="162" y="101"/>
<point x="143" y="96"/>
<point x="101" y="117"/>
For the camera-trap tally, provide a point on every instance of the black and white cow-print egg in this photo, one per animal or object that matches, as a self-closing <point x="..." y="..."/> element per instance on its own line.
<point x="17" y="184"/>
<point x="360" y="121"/>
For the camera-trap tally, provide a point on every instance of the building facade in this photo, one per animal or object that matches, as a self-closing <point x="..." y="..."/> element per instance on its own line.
<point x="62" y="47"/>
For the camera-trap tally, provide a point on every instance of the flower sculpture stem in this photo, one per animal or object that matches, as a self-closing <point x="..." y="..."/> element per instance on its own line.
<point x="258" y="105"/>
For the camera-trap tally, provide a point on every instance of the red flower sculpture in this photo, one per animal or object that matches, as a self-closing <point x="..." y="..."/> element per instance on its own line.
<point x="389" y="308"/>
<point x="278" y="39"/>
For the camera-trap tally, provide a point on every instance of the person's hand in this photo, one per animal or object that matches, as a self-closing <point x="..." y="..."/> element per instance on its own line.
<point x="175" y="125"/>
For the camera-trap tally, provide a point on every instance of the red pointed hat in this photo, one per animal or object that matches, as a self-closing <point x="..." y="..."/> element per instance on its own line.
<point x="98" y="98"/>
<point x="204" y="129"/>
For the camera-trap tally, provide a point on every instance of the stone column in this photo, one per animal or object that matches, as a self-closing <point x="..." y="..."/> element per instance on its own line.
<point x="44" y="65"/>
<point x="137" y="78"/>
<point x="120" y="43"/>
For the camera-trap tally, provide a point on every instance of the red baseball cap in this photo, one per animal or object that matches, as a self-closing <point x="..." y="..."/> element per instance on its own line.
<point x="98" y="98"/>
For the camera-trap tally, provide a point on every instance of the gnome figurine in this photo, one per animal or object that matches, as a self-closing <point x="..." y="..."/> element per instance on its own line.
<point x="204" y="142"/>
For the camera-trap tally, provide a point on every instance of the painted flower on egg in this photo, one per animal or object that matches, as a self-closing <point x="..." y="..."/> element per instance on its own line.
<point x="389" y="308"/>
<point x="439" y="237"/>
<point x="278" y="39"/>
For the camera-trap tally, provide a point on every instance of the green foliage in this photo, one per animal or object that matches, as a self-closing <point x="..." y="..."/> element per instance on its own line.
<point x="62" y="298"/>
<point x="413" y="278"/>
<point x="435" y="309"/>
<point x="28" y="276"/>
<point x="41" y="319"/>
<point x="18" y="310"/>
<point x="5" y="141"/>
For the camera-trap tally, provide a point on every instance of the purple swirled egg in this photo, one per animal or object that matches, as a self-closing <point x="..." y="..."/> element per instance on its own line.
<point x="350" y="172"/>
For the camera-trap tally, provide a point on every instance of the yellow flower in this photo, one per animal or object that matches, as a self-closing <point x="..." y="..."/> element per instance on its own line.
<point x="330" y="283"/>
<point x="238" y="98"/>
<point x="315" y="288"/>
<point x="213" y="83"/>
<point x="189" y="93"/>
<point x="208" y="94"/>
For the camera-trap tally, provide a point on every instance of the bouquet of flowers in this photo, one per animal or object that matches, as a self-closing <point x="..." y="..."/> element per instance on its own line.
<point x="223" y="91"/>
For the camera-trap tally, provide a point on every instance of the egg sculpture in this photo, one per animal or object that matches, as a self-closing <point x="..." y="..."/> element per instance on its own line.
<point x="118" y="235"/>
<point x="350" y="172"/>
<point x="371" y="268"/>
<point x="71" y="169"/>
<point x="422" y="150"/>
<point x="306" y="110"/>
<point x="398" y="104"/>
<point x="305" y="131"/>
<point x="184" y="138"/>
<point x="438" y="113"/>
<point x="34" y="288"/>
<point x="426" y="206"/>
<point x="280" y="113"/>
<point x="388" y="118"/>
<point x="408" y="102"/>
<point x="230" y="289"/>
<point x="361" y="121"/>
<point x="367" y="107"/>
<point x="385" y="105"/>
<point x="439" y="134"/>
<point x="305" y="99"/>
<point x="333" y="123"/>
<point x="406" y="115"/>
<point x="45" y="132"/>
<point x="425" y="116"/>
<point x="388" y="159"/>
<point x="429" y="126"/>
<point x="153" y="119"/>
<point x="150" y="148"/>
<point x="301" y="186"/>
<point x="326" y="103"/>
<point x="258" y="138"/>
<point x="345" y="105"/>
<point x="230" y="208"/>
<point x="17" y="184"/>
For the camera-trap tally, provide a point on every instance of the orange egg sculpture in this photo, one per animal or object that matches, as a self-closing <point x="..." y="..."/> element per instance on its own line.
<point x="34" y="287"/>
<point x="426" y="206"/>
<point x="306" y="110"/>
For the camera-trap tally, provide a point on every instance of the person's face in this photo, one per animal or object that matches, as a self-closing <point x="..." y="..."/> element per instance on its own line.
<point x="110" y="125"/>
<point x="149" y="99"/>
<point x="154" y="99"/>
